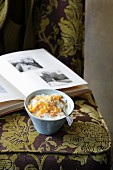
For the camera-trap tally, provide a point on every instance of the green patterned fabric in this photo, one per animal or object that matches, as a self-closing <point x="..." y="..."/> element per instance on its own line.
<point x="53" y="162"/>
<point x="87" y="138"/>
<point x="3" y="12"/>
<point x="61" y="31"/>
<point x="82" y="137"/>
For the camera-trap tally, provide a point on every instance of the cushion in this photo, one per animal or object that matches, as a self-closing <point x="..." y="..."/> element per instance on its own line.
<point x="86" y="144"/>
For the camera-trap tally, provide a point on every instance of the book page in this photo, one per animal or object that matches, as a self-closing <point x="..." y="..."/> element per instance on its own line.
<point x="8" y="92"/>
<point x="37" y="69"/>
<point x="21" y="81"/>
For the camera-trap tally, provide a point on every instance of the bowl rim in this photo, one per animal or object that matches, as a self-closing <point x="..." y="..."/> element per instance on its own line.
<point x="54" y="90"/>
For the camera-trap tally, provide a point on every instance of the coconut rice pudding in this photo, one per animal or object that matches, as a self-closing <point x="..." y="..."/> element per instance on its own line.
<point x="47" y="107"/>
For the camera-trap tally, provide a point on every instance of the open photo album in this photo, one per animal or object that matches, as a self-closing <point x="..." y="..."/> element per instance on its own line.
<point x="26" y="71"/>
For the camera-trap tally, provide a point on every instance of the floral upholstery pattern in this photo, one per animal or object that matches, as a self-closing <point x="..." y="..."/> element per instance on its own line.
<point x="61" y="31"/>
<point x="87" y="138"/>
<point x="59" y="28"/>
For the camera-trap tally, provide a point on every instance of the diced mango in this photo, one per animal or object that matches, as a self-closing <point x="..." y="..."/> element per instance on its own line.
<point x="46" y="104"/>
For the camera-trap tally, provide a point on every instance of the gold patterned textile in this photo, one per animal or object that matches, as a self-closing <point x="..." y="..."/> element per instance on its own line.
<point x="61" y="31"/>
<point x="87" y="138"/>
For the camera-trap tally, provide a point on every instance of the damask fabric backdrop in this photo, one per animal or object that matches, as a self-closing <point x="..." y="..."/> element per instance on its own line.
<point x="83" y="145"/>
<point x="61" y="31"/>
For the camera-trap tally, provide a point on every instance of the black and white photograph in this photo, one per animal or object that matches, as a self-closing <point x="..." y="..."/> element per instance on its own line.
<point x="25" y="64"/>
<point x="55" y="78"/>
<point x="2" y="90"/>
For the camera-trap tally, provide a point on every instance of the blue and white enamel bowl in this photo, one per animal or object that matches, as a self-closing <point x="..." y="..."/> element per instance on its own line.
<point x="51" y="126"/>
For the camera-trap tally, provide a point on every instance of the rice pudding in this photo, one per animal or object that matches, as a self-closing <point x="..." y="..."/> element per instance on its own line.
<point x="47" y="107"/>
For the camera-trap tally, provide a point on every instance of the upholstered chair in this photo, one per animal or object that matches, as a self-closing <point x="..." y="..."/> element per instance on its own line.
<point x="57" y="26"/>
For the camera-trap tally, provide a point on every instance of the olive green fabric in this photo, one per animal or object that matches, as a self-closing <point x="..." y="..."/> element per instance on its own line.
<point x="84" y="136"/>
<point x="3" y="11"/>
<point x="30" y="161"/>
<point x="87" y="138"/>
<point x="16" y="27"/>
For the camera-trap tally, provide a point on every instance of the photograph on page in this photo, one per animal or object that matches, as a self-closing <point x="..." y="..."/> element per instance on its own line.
<point x="25" y="64"/>
<point x="54" y="77"/>
<point x="8" y="92"/>
<point x="57" y="79"/>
